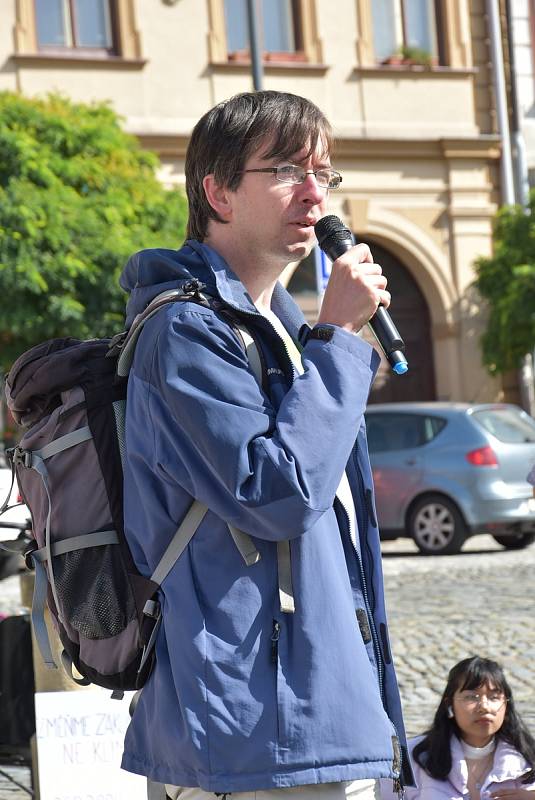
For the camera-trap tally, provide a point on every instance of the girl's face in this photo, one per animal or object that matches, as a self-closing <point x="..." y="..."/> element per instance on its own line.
<point x="479" y="713"/>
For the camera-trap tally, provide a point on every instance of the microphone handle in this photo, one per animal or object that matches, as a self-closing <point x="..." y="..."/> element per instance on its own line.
<point x="381" y="323"/>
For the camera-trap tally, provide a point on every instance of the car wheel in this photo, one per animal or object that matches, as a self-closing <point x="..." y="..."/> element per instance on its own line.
<point x="515" y="542"/>
<point x="436" y="525"/>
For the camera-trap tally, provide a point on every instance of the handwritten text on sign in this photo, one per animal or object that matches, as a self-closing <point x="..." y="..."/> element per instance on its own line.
<point x="80" y="743"/>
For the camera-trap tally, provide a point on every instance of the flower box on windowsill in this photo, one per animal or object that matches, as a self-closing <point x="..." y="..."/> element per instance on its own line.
<point x="409" y="59"/>
<point x="244" y="56"/>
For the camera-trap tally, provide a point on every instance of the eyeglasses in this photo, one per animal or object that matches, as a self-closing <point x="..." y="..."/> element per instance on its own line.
<point x="494" y="700"/>
<point x="291" y="173"/>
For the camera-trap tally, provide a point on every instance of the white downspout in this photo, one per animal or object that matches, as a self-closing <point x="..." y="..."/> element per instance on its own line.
<point x="508" y="186"/>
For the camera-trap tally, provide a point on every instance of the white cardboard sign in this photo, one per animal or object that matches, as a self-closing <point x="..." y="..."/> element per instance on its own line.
<point x="79" y="747"/>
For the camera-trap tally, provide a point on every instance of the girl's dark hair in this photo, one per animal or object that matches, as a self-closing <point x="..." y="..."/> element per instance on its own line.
<point x="433" y="752"/>
<point x="227" y="135"/>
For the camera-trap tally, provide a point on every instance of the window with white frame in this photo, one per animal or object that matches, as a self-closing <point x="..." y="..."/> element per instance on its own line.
<point x="279" y="29"/>
<point x="66" y="25"/>
<point x="405" y="26"/>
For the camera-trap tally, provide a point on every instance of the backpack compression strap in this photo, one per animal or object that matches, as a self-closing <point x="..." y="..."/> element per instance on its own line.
<point x="35" y="459"/>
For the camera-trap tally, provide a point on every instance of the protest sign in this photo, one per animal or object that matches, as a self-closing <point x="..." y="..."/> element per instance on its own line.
<point x="79" y="747"/>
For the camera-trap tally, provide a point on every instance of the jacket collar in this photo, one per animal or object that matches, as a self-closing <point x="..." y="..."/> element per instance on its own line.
<point x="150" y="272"/>
<point x="508" y="764"/>
<point x="232" y="291"/>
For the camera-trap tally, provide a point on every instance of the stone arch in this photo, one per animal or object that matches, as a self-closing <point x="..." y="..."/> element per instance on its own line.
<point x="427" y="263"/>
<point x="431" y="268"/>
<point x="411" y="314"/>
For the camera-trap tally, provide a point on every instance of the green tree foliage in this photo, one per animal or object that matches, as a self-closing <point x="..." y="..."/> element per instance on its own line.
<point x="507" y="282"/>
<point x="78" y="196"/>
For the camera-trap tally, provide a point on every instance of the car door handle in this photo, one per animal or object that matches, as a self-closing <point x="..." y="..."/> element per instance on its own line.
<point x="410" y="462"/>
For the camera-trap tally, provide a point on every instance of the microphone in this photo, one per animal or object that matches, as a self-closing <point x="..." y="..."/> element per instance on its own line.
<point x="334" y="239"/>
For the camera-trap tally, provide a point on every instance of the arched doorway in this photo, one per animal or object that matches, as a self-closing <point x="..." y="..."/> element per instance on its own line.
<point x="410" y="313"/>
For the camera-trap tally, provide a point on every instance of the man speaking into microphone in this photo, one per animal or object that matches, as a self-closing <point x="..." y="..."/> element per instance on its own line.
<point x="273" y="671"/>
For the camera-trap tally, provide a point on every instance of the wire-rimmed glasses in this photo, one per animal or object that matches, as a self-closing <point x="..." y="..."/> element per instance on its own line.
<point x="326" y="178"/>
<point x="494" y="700"/>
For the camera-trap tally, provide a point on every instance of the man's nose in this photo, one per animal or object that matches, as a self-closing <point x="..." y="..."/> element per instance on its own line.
<point x="310" y="191"/>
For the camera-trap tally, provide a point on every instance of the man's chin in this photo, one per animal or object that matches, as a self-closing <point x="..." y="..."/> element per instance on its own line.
<point x="300" y="250"/>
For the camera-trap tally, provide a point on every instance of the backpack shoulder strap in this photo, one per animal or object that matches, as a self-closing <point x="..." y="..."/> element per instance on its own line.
<point x="128" y="346"/>
<point x="197" y="510"/>
<point x="252" y="351"/>
<point x="242" y="540"/>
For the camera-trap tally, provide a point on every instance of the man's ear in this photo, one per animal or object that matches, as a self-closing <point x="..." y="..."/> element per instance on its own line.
<point x="218" y="196"/>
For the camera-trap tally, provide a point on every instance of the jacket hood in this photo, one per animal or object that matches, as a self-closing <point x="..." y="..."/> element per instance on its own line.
<point x="150" y="272"/>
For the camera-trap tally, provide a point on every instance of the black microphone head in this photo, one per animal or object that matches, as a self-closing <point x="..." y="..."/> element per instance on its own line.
<point x="332" y="235"/>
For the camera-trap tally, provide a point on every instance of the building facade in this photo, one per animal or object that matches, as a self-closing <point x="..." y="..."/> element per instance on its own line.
<point x="407" y="86"/>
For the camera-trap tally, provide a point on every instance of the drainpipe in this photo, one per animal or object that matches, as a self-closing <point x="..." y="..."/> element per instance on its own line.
<point x="254" y="45"/>
<point x="508" y="187"/>
<point x="520" y="162"/>
<point x="526" y="374"/>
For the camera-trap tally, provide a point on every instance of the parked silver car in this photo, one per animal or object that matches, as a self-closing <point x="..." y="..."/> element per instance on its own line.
<point x="446" y="471"/>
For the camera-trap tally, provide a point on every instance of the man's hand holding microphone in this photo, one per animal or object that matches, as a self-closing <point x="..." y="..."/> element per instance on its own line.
<point x="356" y="293"/>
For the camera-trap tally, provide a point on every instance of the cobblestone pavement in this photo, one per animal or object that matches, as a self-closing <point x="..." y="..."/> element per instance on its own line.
<point x="441" y="609"/>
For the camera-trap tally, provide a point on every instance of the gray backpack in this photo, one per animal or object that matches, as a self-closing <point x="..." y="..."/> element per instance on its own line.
<point x="70" y="396"/>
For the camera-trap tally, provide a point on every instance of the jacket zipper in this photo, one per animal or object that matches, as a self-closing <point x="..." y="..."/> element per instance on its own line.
<point x="371" y="622"/>
<point x="257" y="315"/>
<point x="397" y="762"/>
<point x="283" y="347"/>
<point x="275" y="636"/>
<point x="361" y="523"/>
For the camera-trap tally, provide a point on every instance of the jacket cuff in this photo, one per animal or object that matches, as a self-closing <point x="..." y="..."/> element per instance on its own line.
<point x="351" y="342"/>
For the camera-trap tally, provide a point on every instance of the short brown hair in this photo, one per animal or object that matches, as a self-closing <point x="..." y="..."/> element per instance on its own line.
<point x="227" y="135"/>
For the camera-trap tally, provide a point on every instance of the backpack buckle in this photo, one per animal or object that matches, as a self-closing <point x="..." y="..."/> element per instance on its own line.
<point x="28" y="559"/>
<point x="193" y="287"/>
<point x="152" y="609"/>
<point x="20" y="456"/>
<point x="116" y="344"/>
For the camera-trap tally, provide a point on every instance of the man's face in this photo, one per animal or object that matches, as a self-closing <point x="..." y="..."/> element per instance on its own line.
<point x="275" y="219"/>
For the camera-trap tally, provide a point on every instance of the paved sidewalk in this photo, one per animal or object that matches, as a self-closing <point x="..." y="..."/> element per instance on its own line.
<point x="10" y="790"/>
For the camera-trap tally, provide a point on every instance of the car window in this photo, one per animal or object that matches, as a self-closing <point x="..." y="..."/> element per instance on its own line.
<point x="510" y="425"/>
<point x="397" y="431"/>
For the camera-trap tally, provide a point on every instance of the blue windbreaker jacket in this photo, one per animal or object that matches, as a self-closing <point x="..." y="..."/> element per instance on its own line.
<point x="242" y="696"/>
